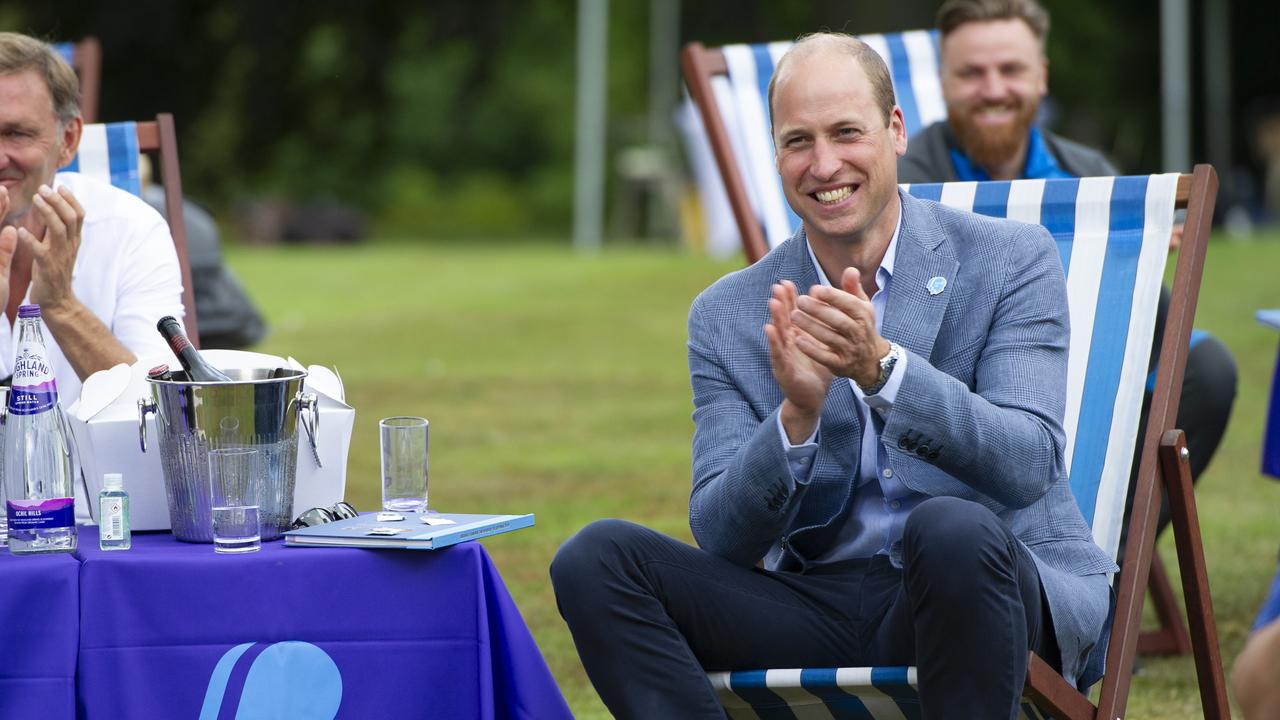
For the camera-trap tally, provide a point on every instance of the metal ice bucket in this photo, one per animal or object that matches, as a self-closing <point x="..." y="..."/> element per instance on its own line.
<point x="260" y="408"/>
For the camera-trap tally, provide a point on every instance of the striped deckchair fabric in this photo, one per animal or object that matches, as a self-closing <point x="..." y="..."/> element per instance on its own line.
<point x="67" y="51"/>
<point x="827" y="694"/>
<point x="109" y="152"/>
<point x="1112" y="236"/>
<point x="112" y="153"/>
<point x="741" y="100"/>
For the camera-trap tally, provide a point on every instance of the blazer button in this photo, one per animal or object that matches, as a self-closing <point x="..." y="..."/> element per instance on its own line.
<point x="902" y="443"/>
<point x="933" y="455"/>
<point x="922" y="451"/>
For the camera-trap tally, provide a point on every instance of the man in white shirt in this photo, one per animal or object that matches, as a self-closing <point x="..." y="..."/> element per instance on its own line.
<point x="98" y="261"/>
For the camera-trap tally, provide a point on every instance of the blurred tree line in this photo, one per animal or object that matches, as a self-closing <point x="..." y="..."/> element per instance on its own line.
<point x="456" y="118"/>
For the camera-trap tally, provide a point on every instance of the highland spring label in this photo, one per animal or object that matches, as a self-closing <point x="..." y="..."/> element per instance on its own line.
<point x="34" y="388"/>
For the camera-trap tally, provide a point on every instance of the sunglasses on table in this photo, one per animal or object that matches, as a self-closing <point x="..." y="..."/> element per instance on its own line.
<point x="320" y="516"/>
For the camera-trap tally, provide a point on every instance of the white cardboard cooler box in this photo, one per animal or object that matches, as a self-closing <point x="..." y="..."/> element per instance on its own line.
<point x="105" y="424"/>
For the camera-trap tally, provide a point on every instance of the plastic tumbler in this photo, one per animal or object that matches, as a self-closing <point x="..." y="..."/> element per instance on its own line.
<point x="404" y="463"/>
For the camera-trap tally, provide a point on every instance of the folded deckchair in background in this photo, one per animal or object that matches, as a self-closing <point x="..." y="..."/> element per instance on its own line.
<point x="729" y="87"/>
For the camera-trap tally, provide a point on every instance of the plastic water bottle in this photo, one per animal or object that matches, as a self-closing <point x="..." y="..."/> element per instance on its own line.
<point x="113" y="514"/>
<point x="38" y="462"/>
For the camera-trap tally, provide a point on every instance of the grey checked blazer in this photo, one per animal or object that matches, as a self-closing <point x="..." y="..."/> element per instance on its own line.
<point x="978" y="414"/>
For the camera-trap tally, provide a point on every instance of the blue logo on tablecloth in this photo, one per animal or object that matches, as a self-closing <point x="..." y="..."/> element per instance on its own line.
<point x="293" y="680"/>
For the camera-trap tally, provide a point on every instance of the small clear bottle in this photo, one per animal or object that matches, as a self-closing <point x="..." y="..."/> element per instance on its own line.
<point x="113" y="514"/>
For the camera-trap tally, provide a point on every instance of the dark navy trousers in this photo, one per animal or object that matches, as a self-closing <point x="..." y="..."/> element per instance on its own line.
<point x="651" y="615"/>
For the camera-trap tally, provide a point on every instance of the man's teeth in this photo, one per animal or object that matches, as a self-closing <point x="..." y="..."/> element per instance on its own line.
<point x="834" y="196"/>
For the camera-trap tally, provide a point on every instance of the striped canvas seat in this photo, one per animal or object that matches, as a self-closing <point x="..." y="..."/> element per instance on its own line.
<point x="1112" y="236"/>
<point x="109" y="152"/>
<point x="742" y="97"/>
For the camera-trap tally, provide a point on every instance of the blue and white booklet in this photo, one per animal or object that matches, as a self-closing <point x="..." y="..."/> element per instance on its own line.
<point x="430" y="531"/>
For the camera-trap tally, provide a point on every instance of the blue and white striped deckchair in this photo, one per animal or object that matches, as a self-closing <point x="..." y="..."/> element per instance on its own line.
<point x="730" y="88"/>
<point x="1112" y="235"/>
<point x="111" y="152"/>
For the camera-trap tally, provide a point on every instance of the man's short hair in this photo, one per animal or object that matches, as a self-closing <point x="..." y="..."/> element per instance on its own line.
<point x="955" y="13"/>
<point x="872" y="64"/>
<point x="19" y="53"/>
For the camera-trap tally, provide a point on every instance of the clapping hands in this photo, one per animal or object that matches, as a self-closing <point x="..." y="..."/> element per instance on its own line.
<point x="831" y="332"/>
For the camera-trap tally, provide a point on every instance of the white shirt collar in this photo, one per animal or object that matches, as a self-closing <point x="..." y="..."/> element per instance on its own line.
<point x="886" y="263"/>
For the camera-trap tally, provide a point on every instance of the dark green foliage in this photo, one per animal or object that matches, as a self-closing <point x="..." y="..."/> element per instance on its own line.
<point x="447" y="118"/>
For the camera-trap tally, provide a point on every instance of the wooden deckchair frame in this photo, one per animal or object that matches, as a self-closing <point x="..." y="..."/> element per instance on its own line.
<point x="1162" y="459"/>
<point x="160" y="137"/>
<point x="699" y="65"/>
<point x="86" y="60"/>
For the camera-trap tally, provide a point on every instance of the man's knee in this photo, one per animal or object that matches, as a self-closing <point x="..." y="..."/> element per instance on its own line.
<point x="1211" y="376"/>
<point x="948" y="521"/>
<point x="593" y="550"/>
<point x="948" y="532"/>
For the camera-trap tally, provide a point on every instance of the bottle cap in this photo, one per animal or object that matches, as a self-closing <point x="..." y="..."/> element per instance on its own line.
<point x="113" y="481"/>
<point x="28" y="311"/>
<point x="158" y="370"/>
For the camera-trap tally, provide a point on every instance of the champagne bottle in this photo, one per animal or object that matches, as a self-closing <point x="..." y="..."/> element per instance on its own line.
<point x="198" y="369"/>
<point x="38" y="461"/>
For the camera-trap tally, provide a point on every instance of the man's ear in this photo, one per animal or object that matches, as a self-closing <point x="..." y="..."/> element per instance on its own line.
<point x="898" y="131"/>
<point x="70" y="140"/>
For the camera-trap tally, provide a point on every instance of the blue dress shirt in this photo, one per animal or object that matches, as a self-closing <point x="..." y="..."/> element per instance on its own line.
<point x="881" y="502"/>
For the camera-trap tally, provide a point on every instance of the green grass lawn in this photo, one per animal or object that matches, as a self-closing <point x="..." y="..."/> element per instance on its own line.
<point x="557" y="384"/>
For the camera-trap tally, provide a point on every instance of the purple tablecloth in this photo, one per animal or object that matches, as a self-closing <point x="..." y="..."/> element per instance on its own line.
<point x="171" y="629"/>
<point x="39" y="629"/>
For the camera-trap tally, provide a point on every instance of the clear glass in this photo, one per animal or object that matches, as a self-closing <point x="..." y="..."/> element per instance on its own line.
<point x="235" y="481"/>
<point x="38" y="454"/>
<point x="113" y="520"/>
<point x="404" y="464"/>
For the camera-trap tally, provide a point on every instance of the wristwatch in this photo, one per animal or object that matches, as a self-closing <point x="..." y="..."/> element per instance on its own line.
<point x="887" y="362"/>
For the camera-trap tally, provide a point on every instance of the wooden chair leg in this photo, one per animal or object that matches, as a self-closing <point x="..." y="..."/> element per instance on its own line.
<point x="1172" y="637"/>
<point x="1052" y="694"/>
<point x="1195" y="579"/>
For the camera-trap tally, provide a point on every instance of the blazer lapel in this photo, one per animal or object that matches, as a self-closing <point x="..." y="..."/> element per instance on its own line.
<point x="914" y="311"/>
<point x="796" y="265"/>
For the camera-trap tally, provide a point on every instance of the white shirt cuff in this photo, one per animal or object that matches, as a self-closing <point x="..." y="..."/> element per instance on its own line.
<point x="882" y="402"/>
<point x="799" y="457"/>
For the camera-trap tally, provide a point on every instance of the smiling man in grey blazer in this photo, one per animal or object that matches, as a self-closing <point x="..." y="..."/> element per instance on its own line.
<point x="878" y="471"/>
